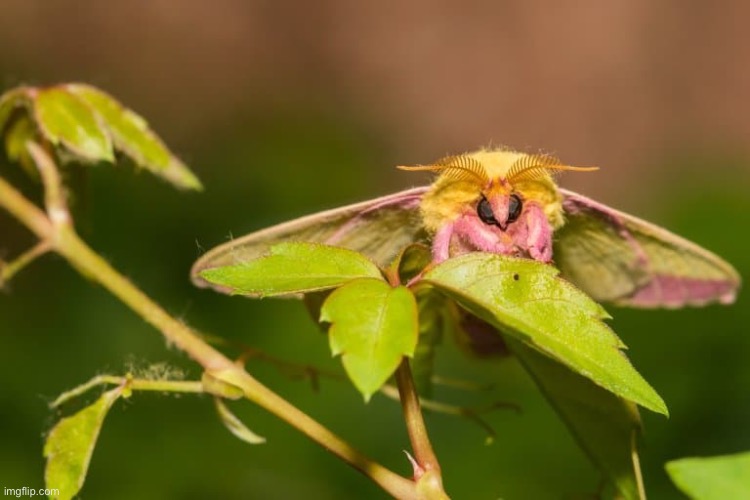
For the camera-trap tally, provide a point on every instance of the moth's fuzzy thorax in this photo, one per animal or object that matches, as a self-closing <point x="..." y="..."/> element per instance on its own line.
<point x="450" y="195"/>
<point x="496" y="162"/>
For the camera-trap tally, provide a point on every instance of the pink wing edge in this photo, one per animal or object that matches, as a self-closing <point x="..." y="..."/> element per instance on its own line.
<point x="662" y="290"/>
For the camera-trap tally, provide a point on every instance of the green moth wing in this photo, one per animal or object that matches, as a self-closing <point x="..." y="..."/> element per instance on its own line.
<point x="378" y="228"/>
<point x="619" y="258"/>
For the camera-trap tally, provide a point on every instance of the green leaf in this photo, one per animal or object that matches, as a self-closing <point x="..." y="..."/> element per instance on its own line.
<point x="373" y="325"/>
<point x="64" y="119"/>
<point x="89" y="124"/>
<point x="526" y="300"/>
<point x="235" y="425"/>
<point x="725" y="477"/>
<point x="133" y="137"/>
<point x="604" y="425"/>
<point x="70" y="444"/>
<point x="19" y="132"/>
<point x="291" y="268"/>
<point x="10" y="101"/>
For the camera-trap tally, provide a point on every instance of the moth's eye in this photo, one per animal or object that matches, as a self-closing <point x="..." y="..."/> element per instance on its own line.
<point x="484" y="211"/>
<point x="514" y="207"/>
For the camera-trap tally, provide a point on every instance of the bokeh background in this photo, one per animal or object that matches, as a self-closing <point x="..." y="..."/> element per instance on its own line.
<point x="284" y="108"/>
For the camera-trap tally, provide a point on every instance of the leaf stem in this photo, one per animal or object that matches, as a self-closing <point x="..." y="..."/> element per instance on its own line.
<point x="54" y="192"/>
<point x="64" y="240"/>
<point x="135" y="384"/>
<point x="85" y="387"/>
<point x="10" y="269"/>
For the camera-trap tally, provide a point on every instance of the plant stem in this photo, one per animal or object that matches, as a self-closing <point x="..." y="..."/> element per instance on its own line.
<point x="9" y="269"/>
<point x="637" y="465"/>
<point x="420" y="441"/>
<point x="63" y="239"/>
<point x="91" y="264"/>
<point x="26" y="212"/>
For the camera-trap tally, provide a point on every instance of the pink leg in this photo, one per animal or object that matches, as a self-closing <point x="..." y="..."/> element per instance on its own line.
<point x="540" y="234"/>
<point x="441" y="244"/>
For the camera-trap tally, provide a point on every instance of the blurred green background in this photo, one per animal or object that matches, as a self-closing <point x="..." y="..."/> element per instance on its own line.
<point x="287" y="108"/>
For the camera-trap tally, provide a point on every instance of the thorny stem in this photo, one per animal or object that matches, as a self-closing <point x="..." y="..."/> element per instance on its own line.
<point x="426" y="461"/>
<point x="57" y="230"/>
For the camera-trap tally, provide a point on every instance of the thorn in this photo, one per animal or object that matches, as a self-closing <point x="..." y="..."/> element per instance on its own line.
<point x="418" y="469"/>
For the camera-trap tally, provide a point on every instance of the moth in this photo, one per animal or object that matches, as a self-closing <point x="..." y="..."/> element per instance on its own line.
<point x="507" y="202"/>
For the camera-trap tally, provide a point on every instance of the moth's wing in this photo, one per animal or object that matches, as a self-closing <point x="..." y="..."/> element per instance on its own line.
<point x="615" y="257"/>
<point x="378" y="228"/>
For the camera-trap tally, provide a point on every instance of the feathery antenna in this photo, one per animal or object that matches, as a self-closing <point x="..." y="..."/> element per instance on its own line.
<point x="531" y="167"/>
<point x="457" y="167"/>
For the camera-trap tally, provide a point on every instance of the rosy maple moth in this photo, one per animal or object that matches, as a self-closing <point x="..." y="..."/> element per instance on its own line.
<point x="508" y="202"/>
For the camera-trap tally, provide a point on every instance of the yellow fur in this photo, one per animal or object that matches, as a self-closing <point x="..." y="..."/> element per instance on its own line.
<point x="448" y="197"/>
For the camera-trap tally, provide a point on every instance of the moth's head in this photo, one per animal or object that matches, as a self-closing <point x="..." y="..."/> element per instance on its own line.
<point x="495" y="184"/>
